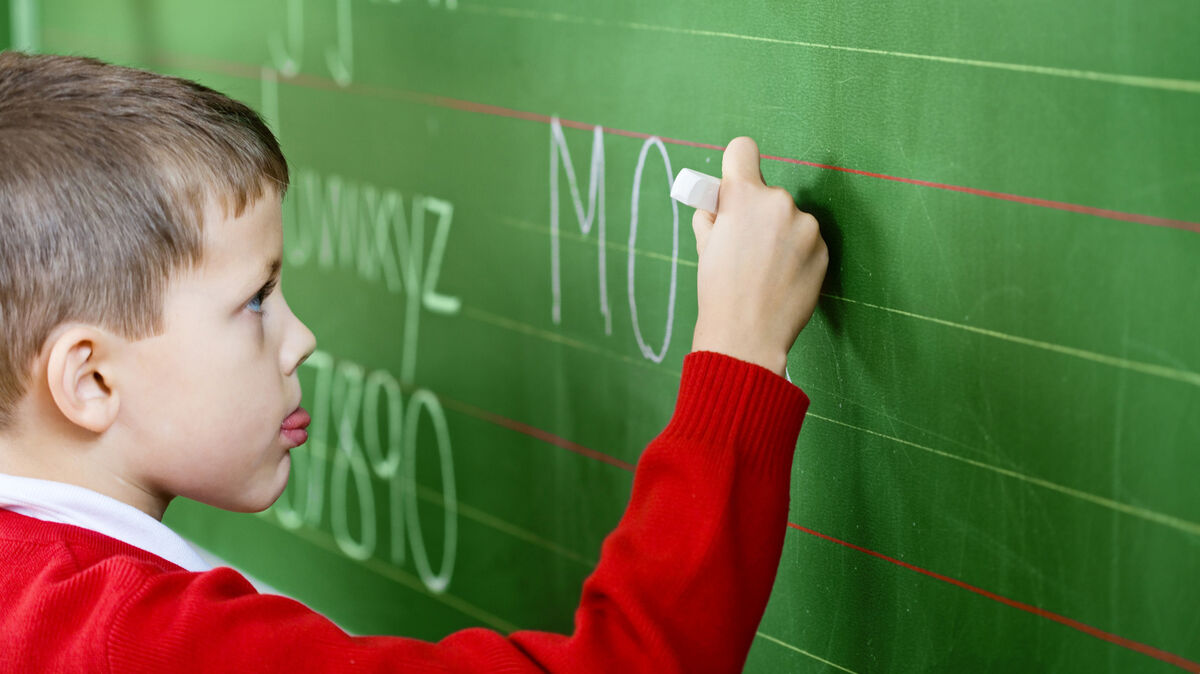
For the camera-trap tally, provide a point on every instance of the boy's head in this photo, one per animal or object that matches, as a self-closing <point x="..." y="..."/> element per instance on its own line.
<point x="139" y="228"/>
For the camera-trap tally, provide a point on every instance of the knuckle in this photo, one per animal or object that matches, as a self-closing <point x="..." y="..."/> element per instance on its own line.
<point x="809" y="231"/>
<point x="778" y="206"/>
<point x="807" y="223"/>
<point x="779" y="198"/>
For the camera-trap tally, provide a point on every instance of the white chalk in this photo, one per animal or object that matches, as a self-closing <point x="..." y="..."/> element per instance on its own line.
<point x="696" y="189"/>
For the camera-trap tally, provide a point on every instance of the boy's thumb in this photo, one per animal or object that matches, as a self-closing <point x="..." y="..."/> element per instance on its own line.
<point x="702" y="225"/>
<point x="740" y="160"/>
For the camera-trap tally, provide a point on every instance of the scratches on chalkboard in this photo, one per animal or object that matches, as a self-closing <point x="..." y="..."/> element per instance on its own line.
<point x="1153" y="369"/>
<point x="837" y="367"/>
<point x="944" y="259"/>
<point x="1170" y="521"/>
<point x="1180" y="524"/>
<point x="1110" y="637"/>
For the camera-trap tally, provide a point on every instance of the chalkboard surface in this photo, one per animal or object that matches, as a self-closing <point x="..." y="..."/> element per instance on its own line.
<point x="5" y="26"/>
<point x="999" y="470"/>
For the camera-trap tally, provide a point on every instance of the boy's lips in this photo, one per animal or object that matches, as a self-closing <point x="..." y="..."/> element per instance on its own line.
<point x="297" y="419"/>
<point x="293" y="427"/>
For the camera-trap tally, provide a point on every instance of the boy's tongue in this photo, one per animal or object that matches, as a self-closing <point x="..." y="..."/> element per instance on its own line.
<point x="297" y="419"/>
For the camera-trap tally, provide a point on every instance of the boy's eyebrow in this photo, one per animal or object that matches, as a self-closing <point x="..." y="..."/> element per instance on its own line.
<point x="273" y="268"/>
<point x="271" y="271"/>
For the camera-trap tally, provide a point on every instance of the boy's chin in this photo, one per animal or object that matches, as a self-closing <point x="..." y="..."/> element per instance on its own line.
<point x="270" y="496"/>
<point x="260" y="498"/>
<point x="249" y="505"/>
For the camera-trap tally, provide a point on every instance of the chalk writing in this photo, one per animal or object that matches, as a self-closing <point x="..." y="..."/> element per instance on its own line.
<point x="364" y="228"/>
<point x="286" y="51"/>
<point x="340" y="58"/>
<point x="356" y="456"/>
<point x="423" y="400"/>
<point x="287" y="46"/>
<point x="633" y="223"/>
<point x="346" y="403"/>
<point x="449" y="4"/>
<point x="594" y="216"/>
<point x="307" y="484"/>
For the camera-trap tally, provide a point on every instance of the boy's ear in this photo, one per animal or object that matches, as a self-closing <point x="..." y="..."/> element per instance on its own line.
<point x="80" y="375"/>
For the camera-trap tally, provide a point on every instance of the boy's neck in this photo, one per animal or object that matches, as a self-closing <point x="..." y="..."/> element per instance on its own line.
<point x="58" y="457"/>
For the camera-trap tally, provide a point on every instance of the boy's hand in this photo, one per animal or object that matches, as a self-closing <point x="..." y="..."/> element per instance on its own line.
<point x="762" y="261"/>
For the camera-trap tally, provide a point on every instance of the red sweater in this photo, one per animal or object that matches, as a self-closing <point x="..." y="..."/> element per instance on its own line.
<point x="681" y="584"/>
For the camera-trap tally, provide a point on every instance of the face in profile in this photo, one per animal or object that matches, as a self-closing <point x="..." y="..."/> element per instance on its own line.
<point x="205" y="400"/>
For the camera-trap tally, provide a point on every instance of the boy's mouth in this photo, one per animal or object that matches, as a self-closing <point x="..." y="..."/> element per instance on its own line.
<point x="293" y="427"/>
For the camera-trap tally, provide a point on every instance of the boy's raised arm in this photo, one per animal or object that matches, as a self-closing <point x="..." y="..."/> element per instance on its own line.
<point x="682" y="582"/>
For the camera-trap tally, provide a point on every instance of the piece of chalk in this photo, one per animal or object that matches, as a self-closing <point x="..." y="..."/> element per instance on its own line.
<point x="696" y="189"/>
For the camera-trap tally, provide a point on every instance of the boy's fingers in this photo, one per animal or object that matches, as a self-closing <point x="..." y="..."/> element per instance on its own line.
<point x="702" y="224"/>
<point x="741" y="160"/>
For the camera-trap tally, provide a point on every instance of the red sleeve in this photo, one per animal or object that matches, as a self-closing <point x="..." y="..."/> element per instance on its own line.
<point x="681" y="584"/>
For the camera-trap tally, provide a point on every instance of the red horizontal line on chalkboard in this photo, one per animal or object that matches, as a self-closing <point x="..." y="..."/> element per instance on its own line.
<point x="1151" y="220"/>
<point x="482" y="108"/>
<point x="532" y="432"/>
<point x="1136" y="646"/>
<point x="315" y="82"/>
<point x="1144" y="649"/>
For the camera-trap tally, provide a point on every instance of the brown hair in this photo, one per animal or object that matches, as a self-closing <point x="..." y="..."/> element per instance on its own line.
<point x="104" y="175"/>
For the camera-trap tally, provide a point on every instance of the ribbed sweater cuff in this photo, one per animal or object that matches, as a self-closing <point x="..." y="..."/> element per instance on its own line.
<point x="729" y="403"/>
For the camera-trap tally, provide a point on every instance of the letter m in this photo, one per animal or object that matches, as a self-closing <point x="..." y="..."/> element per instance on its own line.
<point x="593" y="215"/>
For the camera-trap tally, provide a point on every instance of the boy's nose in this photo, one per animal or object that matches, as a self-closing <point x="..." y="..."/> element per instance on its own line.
<point x="299" y="343"/>
<point x="308" y="344"/>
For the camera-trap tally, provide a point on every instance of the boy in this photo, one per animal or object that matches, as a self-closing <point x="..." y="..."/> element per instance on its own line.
<point x="148" y="353"/>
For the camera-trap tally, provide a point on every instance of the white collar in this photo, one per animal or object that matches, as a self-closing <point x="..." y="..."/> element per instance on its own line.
<point x="71" y="504"/>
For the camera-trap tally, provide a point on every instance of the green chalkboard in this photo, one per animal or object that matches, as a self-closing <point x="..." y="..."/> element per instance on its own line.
<point x="999" y="470"/>
<point x="5" y="29"/>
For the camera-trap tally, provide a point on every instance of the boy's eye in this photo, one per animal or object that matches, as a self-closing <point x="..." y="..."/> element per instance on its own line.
<point x="255" y="303"/>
